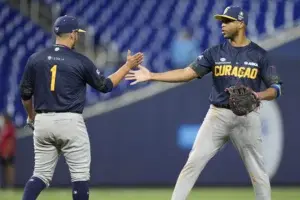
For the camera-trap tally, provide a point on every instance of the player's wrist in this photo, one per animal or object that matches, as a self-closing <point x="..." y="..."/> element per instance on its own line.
<point x="130" y="65"/>
<point x="259" y="96"/>
<point x="152" y="76"/>
<point x="31" y="117"/>
<point x="29" y="120"/>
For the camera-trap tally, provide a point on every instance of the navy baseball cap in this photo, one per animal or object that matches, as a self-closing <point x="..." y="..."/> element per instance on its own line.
<point x="66" y="24"/>
<point x="234" y="13"/>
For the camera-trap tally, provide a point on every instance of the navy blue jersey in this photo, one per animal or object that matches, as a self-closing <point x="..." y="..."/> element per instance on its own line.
<point x="57" y="76"/>
<point x="230" y="66"/>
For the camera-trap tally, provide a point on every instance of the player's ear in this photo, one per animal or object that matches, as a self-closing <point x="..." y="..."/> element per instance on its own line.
<point x="72" y="36"/>
<point x="241" y="25"/>
<point x="75" y="35"/>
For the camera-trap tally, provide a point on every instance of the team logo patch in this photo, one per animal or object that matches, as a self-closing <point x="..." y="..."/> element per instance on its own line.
<point x="49" y="57"/>
<point x="56" y="49"/>
<point x="226" y="10"/>
<point x="251" y="63"/>
<point x="241" y="16"/>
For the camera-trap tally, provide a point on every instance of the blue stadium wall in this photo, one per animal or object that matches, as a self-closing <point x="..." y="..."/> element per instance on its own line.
<point x="147" y="143"/>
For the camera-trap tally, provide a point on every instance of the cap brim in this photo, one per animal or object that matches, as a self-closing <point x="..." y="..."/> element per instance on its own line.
<point x="81" y="30"/>
<point x="221" y="17"/>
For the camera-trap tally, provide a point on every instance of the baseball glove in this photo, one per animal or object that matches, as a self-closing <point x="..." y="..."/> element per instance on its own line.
<point x="242" y="100"/>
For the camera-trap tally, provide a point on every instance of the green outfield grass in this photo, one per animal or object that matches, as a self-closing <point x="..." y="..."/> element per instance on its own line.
<point x="160" y="194"/>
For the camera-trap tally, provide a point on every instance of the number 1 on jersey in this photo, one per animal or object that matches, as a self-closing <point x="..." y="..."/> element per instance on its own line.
<point x="53" y="77"/>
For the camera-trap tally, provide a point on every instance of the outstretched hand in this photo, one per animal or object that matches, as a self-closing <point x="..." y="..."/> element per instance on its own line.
<point x="140" y="75"/>
<point x="134" y="60"/>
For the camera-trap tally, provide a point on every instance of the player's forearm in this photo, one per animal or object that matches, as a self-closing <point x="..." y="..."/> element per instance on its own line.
<point x="268" y="94"/>
<point x="178" y="75"/>
<point x="119" y="75"/>
<point x="28" y="105"/>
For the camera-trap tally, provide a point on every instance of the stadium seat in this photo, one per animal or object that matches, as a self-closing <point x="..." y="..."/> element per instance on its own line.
<point x="140" y="25"/>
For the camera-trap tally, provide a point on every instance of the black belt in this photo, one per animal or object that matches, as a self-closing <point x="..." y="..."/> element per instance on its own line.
<point x="222" y="106"/>
<point x="59" y="111"/>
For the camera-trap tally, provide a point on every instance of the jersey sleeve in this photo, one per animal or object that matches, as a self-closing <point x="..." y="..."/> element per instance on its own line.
<point x="27" y="80"/>
<point x="94" y="77"/>
<point x="269" y="74"/>
<point x="203" y="64"/>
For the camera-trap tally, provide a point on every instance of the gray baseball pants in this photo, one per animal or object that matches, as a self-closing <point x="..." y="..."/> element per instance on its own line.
<point x="219" y="126"/>
<point x="58" y="134"/>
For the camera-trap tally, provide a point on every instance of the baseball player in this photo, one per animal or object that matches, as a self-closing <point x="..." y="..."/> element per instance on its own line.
<point x="53" y="89"/>
<point x="237" y="60"/>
